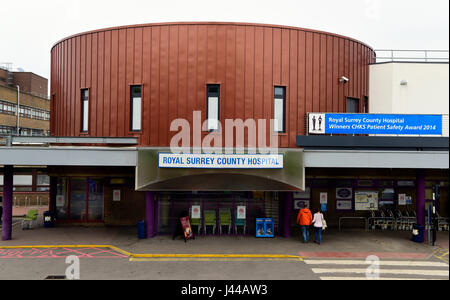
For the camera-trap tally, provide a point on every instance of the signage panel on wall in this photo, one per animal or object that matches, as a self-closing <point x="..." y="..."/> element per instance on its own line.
<point x="366" y="200"/>
<point x="344" y="193"/>
<point x="384" y="124"/>
<point x="306" y="194"/>
<point x="343" y="205"/>
<point x="299" y="204"/>
<point x="221" y="161"/>
<point x="241" y="212"/>
<point x="196" y="212"/>
<point x="323" y="198"/>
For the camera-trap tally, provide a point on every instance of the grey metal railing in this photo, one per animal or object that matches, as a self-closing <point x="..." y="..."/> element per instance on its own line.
<point x="428" y="56"/>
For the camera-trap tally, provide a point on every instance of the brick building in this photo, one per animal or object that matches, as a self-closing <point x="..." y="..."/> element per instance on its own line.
<point x="34" y="103"/>
<point x="31" y="184"/>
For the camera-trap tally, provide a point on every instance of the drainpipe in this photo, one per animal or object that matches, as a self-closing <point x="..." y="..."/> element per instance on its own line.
<point x="18" y="109"/>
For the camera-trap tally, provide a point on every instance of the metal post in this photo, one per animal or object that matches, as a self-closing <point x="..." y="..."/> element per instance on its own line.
<point x="150" y="214"/>
<point x="18" y="109"/>
<point x="420" y="197"/>
<point x="7" y="203"/>
<point x="288" y="206"/>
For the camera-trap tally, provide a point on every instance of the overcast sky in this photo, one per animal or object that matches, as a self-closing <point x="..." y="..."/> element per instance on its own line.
<point x="28" y="28"/>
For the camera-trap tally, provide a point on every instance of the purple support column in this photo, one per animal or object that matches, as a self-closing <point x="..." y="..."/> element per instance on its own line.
<point x="288" y="206"/>
<point x="150" y="214"/>
<point x="7" y="203"/>
<point x="420" y="197"/>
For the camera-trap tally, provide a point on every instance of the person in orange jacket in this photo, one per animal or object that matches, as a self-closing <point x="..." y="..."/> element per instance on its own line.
<point x="304" y="219"/>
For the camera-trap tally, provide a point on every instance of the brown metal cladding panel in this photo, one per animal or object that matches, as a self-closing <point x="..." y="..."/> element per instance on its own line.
<point x="249" y="71"/>
<point x="62" y="113"/>
<point x="191" y="73"/>
<point x="73" y="81"/>
<point x="77" y="86"/>
<point x="146" y="80"/>
<point x="107" y="105"/>
<point x="122" y="129"/>
<point x="239" y="112"/>
<point x="346" y="71"/>
<point x="230" y="79"/>
<point x="221" y="60"/>
<point x="172" y="80"/>
<point x="182" y="72"/>
<point x="323" y="74"/>
<point x="301" y="91"/>
<point x="341" y="73"/>
<point x="114" y="82"/>
<point x="88" y="61"/>
<point x="211" y="54"/>
<point x="316" y="74"/>
<point x="309" y="72"/>
<point x="277" y="61"/>
<point x="83" y="62"/>
<point x="175" y="62"/>
<point x="66" y="100"/>
<point x="335" y="76"/>
<point x="285" y="42"/>
<point x="201" y="68"/>
<point x="259" y="74"/>
<point x="129" y="76"/>
<point x="293" y="90"/>
<point x="100" y="128"/>
<point x="329" y="74"/>
<point x="94" y="88"/>
<point x="164" y="85"/>
<point x="268" y="80"/>
<point x="138" y="55"/>
<point x="154" y="87"/>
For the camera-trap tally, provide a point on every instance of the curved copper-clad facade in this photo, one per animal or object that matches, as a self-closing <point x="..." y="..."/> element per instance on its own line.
<point x="174" y="62"/>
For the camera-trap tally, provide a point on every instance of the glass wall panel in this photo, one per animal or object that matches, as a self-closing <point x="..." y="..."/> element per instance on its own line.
<point x="96" y="203"/>
<point x="78" y="198"/>
<point x="61" y="199"/>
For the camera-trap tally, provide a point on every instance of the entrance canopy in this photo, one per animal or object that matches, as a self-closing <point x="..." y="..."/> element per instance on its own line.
<point x="151" y="177"/>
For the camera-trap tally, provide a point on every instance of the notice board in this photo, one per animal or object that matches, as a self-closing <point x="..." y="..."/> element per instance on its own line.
<point x="366" y="200"/>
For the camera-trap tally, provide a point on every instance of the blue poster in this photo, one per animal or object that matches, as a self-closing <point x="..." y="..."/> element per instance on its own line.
<point x="380" y="124"/>
<point x="265" y="228"/>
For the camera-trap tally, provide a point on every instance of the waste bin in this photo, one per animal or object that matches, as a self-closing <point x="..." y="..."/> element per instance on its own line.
<point x="418" y="233"/>
<point x="141" y="230"/>
<point x="49" y="219"/>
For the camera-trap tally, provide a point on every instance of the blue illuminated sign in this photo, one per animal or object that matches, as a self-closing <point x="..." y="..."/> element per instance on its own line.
<point x="379" y="124"/>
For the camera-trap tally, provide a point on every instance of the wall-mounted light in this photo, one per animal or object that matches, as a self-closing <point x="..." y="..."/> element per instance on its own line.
<point x="404" y="82"/>
<point x="344" y="79"/>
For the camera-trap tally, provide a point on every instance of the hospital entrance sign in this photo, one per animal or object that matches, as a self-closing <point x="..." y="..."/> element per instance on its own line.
<point x="384" y="124"/>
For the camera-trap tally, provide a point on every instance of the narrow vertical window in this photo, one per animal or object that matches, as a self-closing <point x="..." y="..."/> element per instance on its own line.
<point x="85" y="110"/>
<point x="136" y="108"/>
<point x="352" y="105"/>
<point x="213" y="107"/>
<point x="279" y="109"/>
<point x="366" y="104"/>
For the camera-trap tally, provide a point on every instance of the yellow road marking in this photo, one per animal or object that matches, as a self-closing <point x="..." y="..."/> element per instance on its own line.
<point x="165" y="256"/>
<point x="217" y="259"/>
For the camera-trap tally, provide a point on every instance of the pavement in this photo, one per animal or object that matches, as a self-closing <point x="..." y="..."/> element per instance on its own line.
<point x="32" y="254"/>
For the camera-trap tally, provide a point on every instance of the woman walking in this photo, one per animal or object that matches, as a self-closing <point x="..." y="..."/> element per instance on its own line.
<point x="319" y="225"/>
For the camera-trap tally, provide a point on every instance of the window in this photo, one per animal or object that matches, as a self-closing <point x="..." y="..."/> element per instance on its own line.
<point x="80" y="199"/>
<point x="213" y="107"/>
<point x="136" y="105"/>
<point x="85" y="110"/>
<point x="279" y="109"/>
<point x="352" y="105"/>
